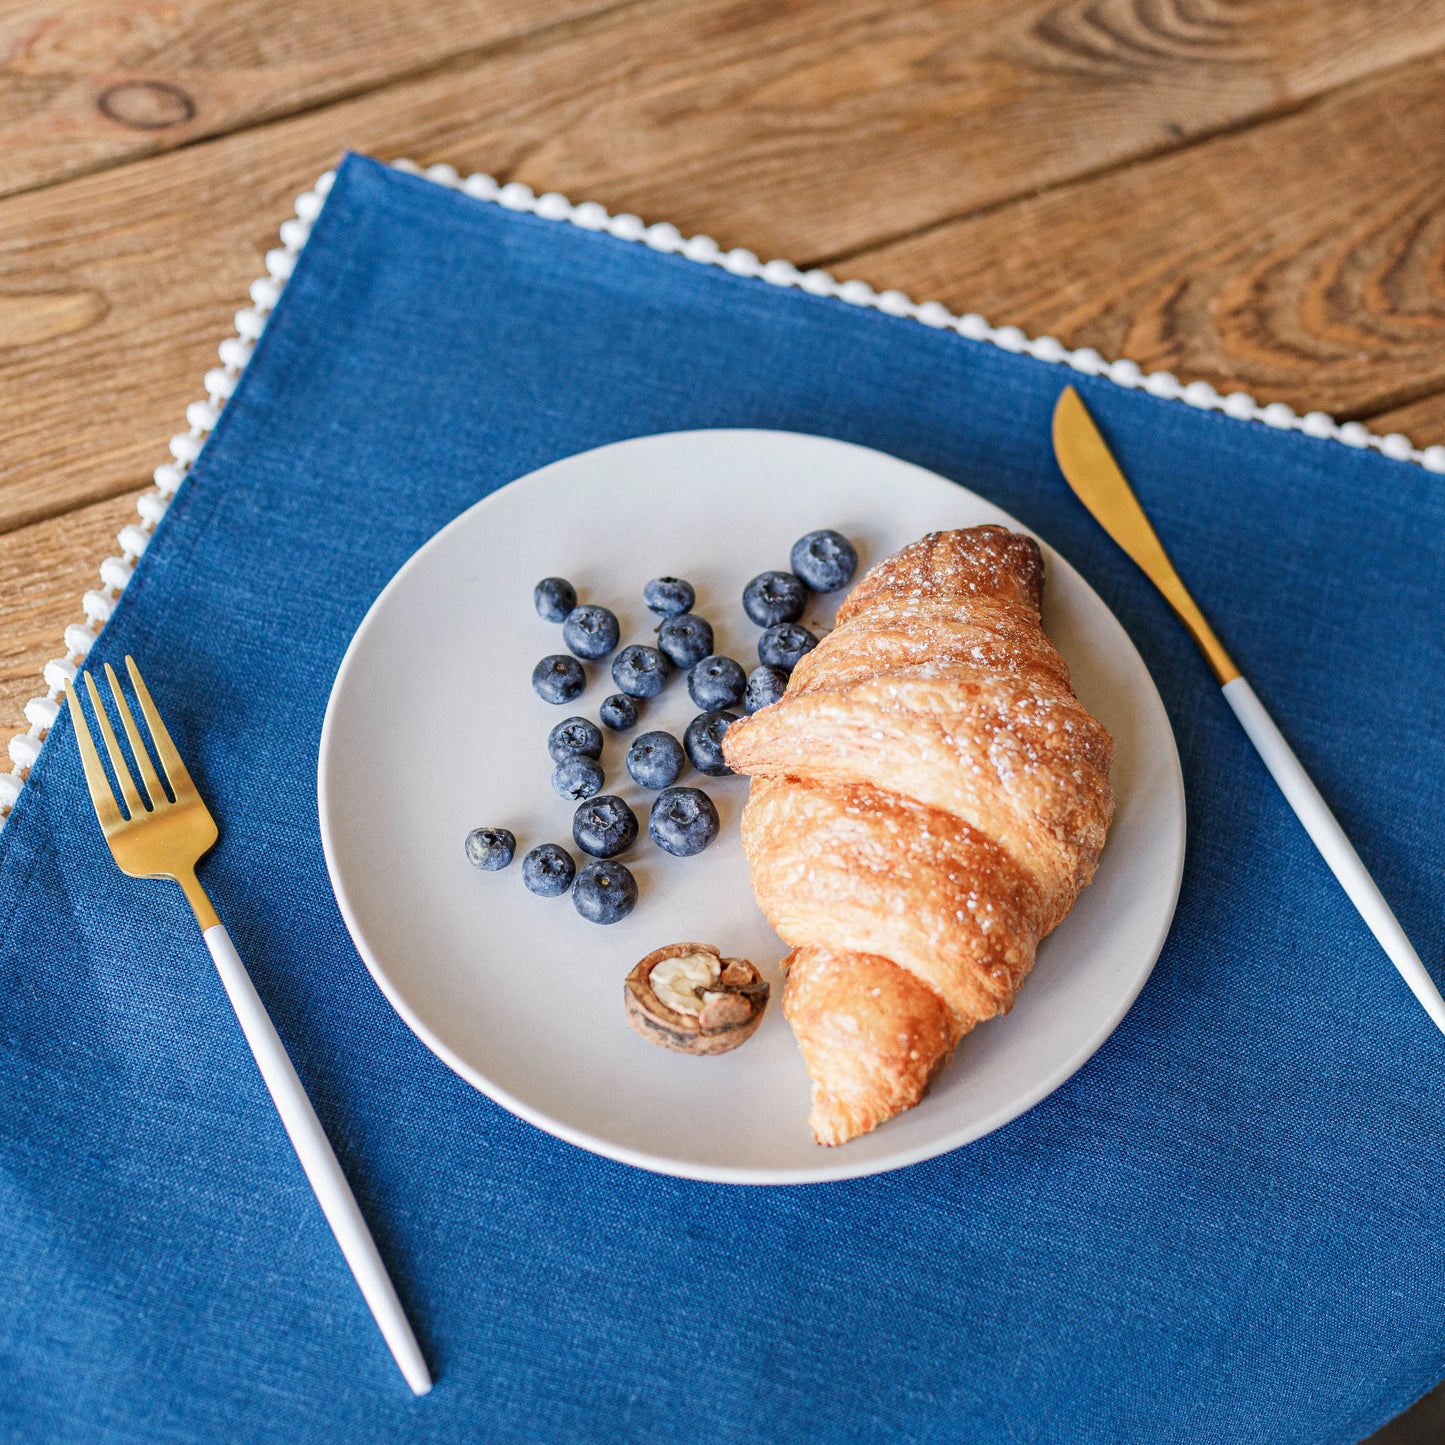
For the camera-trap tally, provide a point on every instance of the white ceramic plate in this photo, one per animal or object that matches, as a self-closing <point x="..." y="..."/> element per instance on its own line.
<point x="433" y="729"/>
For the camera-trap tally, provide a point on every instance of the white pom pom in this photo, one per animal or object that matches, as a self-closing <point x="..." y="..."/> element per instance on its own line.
<point x="41" y="712"/>
<point x="973" y="326"/>
<point x="10" y="785"/>
<point x="857" y="293"/>
<point x="590" y="216"/>
<point x="133" y="539"/>
<point x="98" y="606"/>
<point x="115" y="572"/>
<point x="1162" y="383"/>
<point x="442" y="174"/>
<point x="168" y="477"/>
<point x="250" y="323"/>
<point x="1398" y="446"/>
<point x="1433" y="459"/>
<point x="265" y="292"/>
<point x="1125" y="372"/>
<point x="740" y="262"/>
<point x="627" y="227"/>
<point x="78" y="638"/>
<point x="481" y="187"/>
<point x="553" y="206"/>
<point x="58" y="672"/>
<point x="1200" y="394"/>
<point x="1087" y="360"/>
<point x="24" y="750"/>
<point x="780" y="273"/>
<point x="515" y="196"/>
<point x="818" y="283"/>
<point x="219" y="382"/>
<point x="1240" y="405"/>
<point x="702" y="249"/>
<point x="1317" y="424"/>
<point x="293" y="234"/>
<point x="324" y="183"/>
<point x="280" y="263"/>
<point x="152" y="506"/>
<point x="1355" y="435"/>
<point x="308" y="205"/>
<point x="202" y="415"/>
<point x="185" y="447"/>
<point x="235" y="352"/>
<point x="934" y="314"/>
<point x="1049" y="348"/>
<point x="663" y="237"/>
<point x="1010" y="338"/>
<point x="1277" y="415"/>
<point x="406" y="166"/>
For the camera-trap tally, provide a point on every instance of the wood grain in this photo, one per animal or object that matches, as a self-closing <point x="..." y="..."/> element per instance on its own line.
<point x="88" y="83"/>
<point x="797" y="129"/>
<point x="1302" y="260"/>
<point x="1423" y="422"/>
<point x="43" y="571"/>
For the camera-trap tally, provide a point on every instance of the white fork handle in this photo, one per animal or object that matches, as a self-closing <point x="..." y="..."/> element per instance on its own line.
<point x="1335" y="848"/>
<point x="319" y="1161"/>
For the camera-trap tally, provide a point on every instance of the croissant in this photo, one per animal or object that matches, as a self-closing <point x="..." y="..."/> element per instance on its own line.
<point x="927" y="799"/>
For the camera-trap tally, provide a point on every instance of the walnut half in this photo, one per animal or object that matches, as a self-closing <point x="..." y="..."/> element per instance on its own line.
<point x="687" y="997"/>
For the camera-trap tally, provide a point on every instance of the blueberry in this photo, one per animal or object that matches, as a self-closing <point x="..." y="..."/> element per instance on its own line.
<point x="826" y="561"/>
<point x="574" y="737"/>
<point x="577" y="777"/>
<point x="591" y="632"/>
<point x="773" y="597"/>
<point x="604" y="892"/>
<point x="548" y="870"/>
<point x="686" y="638"/>
<point x="703" y="741"/>
<point x="667" y="596"/>
<point x="618" y="712"/>
<point x="640" y="671"/>
<point x="555" y="598"/>
<point x="654" y="760"/>
<point x="491" y="848"/>
<point x="683" y="821"/>
<point x="716" y="682"/>
<point x="783" y="645"/>
<point x="766" y="686"/>
<point x="604" y="827"/>
<point x="558" y="678"/>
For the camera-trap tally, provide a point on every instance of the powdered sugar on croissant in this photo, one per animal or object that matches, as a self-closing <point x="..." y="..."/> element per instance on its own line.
<point x="929" y="796"/>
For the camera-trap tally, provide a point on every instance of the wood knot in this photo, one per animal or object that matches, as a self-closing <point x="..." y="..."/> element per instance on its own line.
<point x="146" y="104"/>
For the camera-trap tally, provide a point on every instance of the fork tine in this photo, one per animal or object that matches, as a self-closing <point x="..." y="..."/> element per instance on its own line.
<point x="137" y="746"/>
<point x="175" y="769"/>
<point x="95" y="779"/>
<point x="128" y="789"/>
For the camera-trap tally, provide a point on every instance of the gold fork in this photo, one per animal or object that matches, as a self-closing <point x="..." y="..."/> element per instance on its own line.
<point x="164" y="836"/>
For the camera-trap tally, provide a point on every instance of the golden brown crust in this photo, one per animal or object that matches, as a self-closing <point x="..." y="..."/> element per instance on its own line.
<point x="872" y="1037"/>
<point x="930" y="794"/>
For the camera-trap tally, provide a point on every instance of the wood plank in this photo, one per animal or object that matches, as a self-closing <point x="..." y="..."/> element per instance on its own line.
<point x="1422" y="421"/>
<point x="43" y="571"/>
<point x="796" y="129"/>
<point x="1300" y="260"/>
<point x="89" y="85"/>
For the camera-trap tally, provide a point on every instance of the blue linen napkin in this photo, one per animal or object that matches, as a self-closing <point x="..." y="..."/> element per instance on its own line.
<point x="1227" y="1226"/>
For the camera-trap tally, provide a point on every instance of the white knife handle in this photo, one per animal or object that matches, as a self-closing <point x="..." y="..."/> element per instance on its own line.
<point x="1335" y="848"/>
<point x="318" y="1159"/>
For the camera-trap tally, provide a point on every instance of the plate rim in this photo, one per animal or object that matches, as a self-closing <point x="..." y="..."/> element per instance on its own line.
<point x="837" y="1169"/>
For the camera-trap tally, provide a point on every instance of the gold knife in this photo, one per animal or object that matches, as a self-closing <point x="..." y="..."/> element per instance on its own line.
<point x="1090" y="469"/>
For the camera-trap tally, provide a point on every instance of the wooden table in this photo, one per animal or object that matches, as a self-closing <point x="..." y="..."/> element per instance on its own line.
<point x="1249" y="194"/>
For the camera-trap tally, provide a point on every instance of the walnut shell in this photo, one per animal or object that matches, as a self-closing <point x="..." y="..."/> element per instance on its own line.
<point x="723" y="1024"/>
